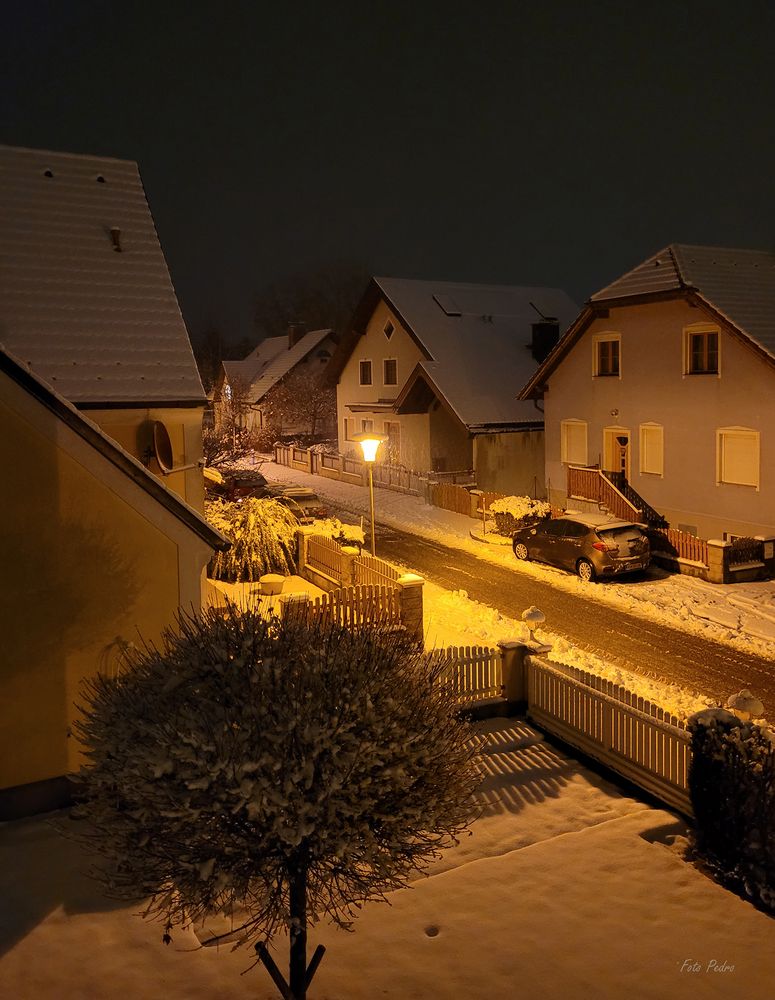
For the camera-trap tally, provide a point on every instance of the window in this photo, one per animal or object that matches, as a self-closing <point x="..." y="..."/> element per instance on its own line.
<point x="390" y="371"/>
<point x="701" y="351"/>
<point x="365" y="372"/>
<point x="388" y="331"/>
<point x="738" y="456"/>
<point x="652" y="461"/>
<point x="367" y="426"/>
<point x="607" y="355"/>
<point x="573" y="442"/>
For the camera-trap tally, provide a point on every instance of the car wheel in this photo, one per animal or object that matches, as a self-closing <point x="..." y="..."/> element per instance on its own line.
<point x="520" y="551"/>
<point x="586" y="570"/>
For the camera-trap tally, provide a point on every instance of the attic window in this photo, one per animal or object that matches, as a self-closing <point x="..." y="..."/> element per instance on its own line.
<point x="388" y="331"/>
<point x="48" y="173"/>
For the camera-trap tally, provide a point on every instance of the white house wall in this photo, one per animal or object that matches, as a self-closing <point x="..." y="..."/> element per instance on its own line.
<point x="652" y="388"/>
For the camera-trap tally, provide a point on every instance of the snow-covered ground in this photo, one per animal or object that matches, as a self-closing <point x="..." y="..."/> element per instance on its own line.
<point x="566" y="889"/>
<point x="742" y="615"/>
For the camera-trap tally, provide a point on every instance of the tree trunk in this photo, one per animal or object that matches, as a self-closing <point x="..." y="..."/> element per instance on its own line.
<point x="298" y="908"/>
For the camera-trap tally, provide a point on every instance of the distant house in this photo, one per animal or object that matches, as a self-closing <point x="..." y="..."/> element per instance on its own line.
<point x="272" y="361"/>
<point x="666" y="381"/>
<point x="97" y="554"/>
<point x="86" y="301"/>
<point x="436" y="366"/>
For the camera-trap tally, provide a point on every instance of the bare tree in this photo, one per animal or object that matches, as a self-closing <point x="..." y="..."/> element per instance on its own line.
<point x="288" y="770"/>
<point x="303" y="399"/>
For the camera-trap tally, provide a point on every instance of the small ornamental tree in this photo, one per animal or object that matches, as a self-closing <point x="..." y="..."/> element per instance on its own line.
<point x="285" y="770"/>
<point x="262" y="532"/>
<point x="303" y="400"/>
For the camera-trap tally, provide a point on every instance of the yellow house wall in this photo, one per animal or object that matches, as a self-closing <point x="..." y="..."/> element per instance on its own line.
<point x="91" y="560"/>
<point x="374" y="346"/>
<point x="653" y="388"/>
<point x="133" y="430"/>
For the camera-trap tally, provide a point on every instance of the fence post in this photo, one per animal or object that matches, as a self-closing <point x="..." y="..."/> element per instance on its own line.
<point x="475" y="495"/>
<point x="718" y="561"/>
<point x="768" y="552"/>
<point x="349" y="554"/>
<point x="302" y="547"/>
<point x="411" y="605"/>
<point x="514" y="670"/>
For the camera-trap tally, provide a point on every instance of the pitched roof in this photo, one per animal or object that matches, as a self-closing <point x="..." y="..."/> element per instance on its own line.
<point x="477" y="341"/>
<point x="101" y="326"/>
<point x="21" y="374"/>
<point x="263" y="369"/>
<point x="737" y="285"/>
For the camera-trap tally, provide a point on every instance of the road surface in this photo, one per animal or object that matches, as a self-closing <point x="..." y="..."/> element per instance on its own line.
<point x="636" y="644"/>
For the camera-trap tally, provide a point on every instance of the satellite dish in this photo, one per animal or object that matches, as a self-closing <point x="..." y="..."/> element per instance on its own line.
<point x="162" y="447"/>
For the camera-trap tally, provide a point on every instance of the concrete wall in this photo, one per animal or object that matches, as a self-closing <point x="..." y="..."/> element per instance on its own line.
<point x="652" y="387"/>
<point x="510" y="463"/>
<point x="451" y="445"/>
<point x="133" y="429"/>
<point x="89" y="560"/>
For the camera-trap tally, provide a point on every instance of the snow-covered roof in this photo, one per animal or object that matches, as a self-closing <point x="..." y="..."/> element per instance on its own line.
<point x="64" y="410"/>
<point x="477" y="338"/>
<point x="271" y="361"/>
<point x="86" y="298"/>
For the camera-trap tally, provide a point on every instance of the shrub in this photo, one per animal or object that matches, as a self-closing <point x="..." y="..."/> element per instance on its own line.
<point x="514" y="512"/>
<point x="732" y="787"/>
<point x="279" y="770"/>
<point x="262" y="533"/>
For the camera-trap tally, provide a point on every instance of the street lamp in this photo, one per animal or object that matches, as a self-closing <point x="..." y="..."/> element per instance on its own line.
<point x="369" y="444"/>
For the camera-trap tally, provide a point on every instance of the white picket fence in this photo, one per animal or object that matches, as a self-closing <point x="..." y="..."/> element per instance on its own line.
<point x="360" y="605"/>
<point x="369" y="569"/>
<point x="631" y="735"/>
<point x="325" y="555"/>
<point x="473" y="673"/>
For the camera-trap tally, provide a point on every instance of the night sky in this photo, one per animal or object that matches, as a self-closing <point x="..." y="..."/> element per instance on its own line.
<point x="524" y="143"/>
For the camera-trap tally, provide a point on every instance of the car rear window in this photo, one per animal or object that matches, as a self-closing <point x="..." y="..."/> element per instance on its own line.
<point x="621" y="536"/>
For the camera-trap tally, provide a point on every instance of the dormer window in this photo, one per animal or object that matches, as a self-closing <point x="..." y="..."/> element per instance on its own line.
<point x="607" y="355"/>
<point x="701" y="351"/>
<point x="388" y="331"/>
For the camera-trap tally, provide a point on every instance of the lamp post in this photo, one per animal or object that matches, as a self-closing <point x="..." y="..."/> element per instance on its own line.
<point x="369" y="444"/>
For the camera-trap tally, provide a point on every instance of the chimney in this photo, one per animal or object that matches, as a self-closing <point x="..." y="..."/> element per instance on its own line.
<point x="546" y="333"/>
<point x="295" y="332"/>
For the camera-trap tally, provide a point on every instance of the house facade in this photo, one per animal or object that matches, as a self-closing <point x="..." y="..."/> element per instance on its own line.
<point x="667" y="378"/>
<point x="242" y="388"/>
<point x="87" y="302"/>
<point x="99" y="555"/>
<point x="435" y="367"/>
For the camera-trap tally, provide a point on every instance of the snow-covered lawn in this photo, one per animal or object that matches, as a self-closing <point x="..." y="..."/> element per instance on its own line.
<point x="567" y="888"/>
<point x="742" y="615"/>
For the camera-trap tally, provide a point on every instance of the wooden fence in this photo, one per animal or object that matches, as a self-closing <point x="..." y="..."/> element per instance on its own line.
<point x="450" y="496"/>
<point x="678" y="544"/>
<point x="325" y="555"/>
<point x="348" y="468"/>
<point x="368" y="569"/>
<point x="746" y="550"/>
<point x="591" y="484"/>
<point x="473" y="673"/>
<point x="632" y="736"/>
<point x="360" y="605"/>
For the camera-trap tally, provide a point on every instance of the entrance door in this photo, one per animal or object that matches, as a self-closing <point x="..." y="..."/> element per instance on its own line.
<point x="616" y="450"/>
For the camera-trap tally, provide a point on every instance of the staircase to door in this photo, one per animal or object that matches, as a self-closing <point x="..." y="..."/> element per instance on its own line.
<point x="612" y="491"/>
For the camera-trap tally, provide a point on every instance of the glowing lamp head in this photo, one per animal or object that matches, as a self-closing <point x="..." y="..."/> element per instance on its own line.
<point x="369" y="444"/>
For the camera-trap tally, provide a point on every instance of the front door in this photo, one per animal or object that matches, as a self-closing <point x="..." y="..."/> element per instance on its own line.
<point x="616" y="450"/>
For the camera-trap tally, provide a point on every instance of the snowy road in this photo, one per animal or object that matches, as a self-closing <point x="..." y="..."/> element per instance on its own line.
<point x="630" y="642"/>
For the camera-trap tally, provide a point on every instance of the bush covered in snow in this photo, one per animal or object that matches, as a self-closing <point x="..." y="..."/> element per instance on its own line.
<point x="262" y="533"/>
<point x="345" y="534"/>
<point x="732" y="786"/>
<point x="514" y="512"/>
<point x="277" y="770"/>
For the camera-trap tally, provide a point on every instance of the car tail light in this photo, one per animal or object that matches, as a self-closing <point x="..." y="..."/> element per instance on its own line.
<point x="603" y="547"/>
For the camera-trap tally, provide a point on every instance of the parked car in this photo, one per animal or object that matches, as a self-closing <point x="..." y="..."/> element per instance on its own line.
<point x="592" y="545"/>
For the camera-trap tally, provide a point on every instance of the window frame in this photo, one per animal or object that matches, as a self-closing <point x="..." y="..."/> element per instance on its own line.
<point x="389" y="329"/>
<point x="700" y="330"/>
<point x="575" y="422"/>
<point x="385" y="363"/>
<point x="751" y="433"/>
<point x="642" y="430"/>
<point x="348" y="432"/>
<point x="364" y="422"/>
<point x="361" y="363"/>
<point x="606" y="338"/>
